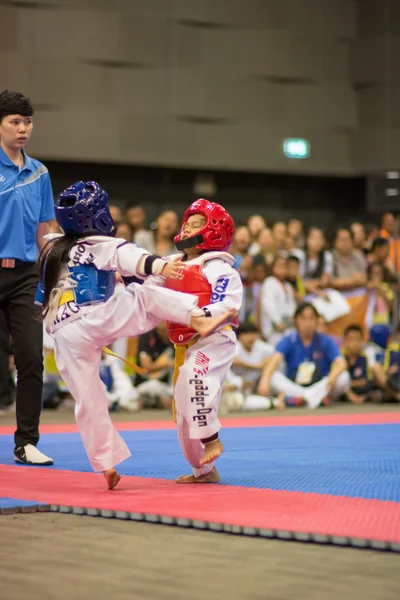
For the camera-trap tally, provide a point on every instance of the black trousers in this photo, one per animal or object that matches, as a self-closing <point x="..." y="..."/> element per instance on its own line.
<point x="17" y="294"/>
<point x="7" y="387"/>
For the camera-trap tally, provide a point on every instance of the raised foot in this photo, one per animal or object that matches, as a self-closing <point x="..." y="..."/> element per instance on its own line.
<point x="211" y="477"/>
<point x="207" y="325"/>
<point x="212" y="451"/>
<point x="112" y="477"/>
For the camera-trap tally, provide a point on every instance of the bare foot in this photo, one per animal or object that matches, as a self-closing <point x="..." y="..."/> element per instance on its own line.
<point x="280" y="401"/>
<point x="112" y="477"/>
<point x="207" y="325"/>
<point x="211" y="477"/>
<point x="212" y="451"/>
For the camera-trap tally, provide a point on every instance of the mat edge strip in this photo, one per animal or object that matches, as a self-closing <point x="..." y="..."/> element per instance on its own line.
<point x="277" y="534"/>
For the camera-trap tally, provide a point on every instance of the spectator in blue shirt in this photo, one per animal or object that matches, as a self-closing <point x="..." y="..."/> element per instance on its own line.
<point x="314" y="366"/>
<point x="26" y="208"/>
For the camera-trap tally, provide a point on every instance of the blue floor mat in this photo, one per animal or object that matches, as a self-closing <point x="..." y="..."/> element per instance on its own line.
<point x="355" y="461"/>
<point x="13" y="505"/>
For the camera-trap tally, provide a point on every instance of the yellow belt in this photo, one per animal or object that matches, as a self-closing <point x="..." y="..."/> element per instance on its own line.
<point x="68" y="297"/>
<point x="180" y="351"/>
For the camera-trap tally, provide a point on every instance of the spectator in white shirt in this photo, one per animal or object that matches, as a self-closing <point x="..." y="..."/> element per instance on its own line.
<point x="252" y="355"/>
<point x="277" y="303"/>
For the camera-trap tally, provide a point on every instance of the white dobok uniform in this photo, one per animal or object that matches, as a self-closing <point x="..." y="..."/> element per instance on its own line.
<point x="80" y="332"/>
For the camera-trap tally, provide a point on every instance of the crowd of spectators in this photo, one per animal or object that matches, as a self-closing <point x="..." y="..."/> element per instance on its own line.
<point x="316" y="323"/>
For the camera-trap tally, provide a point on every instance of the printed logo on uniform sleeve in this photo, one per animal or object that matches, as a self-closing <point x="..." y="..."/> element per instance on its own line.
<point x="219" y="292"/>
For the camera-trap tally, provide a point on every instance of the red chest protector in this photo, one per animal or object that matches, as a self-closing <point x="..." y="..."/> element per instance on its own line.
<point x="195" y="283"/>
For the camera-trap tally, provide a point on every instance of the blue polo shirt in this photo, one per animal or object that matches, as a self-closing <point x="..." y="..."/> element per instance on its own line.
<point x="26" y="199"/>
<point x="323" y="350"/>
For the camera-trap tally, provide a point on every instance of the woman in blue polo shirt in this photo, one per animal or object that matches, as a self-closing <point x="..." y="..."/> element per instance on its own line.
<point x="26" y="207"/>
<point x="315" y="367"/>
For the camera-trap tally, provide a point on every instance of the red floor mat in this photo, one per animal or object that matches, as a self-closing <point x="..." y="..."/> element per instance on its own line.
<point x="297" y="515"/>
<point x="232" y="422"/>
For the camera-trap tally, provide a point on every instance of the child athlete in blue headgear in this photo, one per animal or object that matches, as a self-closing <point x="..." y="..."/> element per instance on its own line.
<point x="84" y="312"/>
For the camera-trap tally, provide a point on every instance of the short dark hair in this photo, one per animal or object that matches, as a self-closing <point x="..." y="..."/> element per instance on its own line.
<point x="14" y="103"/>
<point x="302" y="307"/>
<point x="356" y="328"/>
<point x="344" y="228"/>
<point x="379" y="242"/>
<point x="246" y="328"/>
<point x="293" y="258"/>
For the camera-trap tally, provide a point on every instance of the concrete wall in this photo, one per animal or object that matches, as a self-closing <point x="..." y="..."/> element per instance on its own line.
<point x="214" y="84"/>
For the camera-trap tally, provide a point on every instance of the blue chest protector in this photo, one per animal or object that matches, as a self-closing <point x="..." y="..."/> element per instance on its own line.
<point x="92" y="285"/>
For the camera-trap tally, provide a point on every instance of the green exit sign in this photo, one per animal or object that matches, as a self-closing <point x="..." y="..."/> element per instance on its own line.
<point x="296" y="148"/>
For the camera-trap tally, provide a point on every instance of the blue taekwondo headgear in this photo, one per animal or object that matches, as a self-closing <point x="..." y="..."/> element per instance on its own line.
<point x="83" y="208"/>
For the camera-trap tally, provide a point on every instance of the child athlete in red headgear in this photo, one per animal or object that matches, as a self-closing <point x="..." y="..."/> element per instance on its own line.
<point x="201" y="364"/>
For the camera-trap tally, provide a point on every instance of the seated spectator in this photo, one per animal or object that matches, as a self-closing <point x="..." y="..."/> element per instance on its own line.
<point x="388" y="231"/>
<point x="322" y="326"/>
<point x="162" y="242"/>
<point x="240" y="251"/>
<point x="294" y="278"/>
<point x="279" y="232"/>
<point x="391" y="366"/>
<point x="266" y="246"/>
<point x="255" y="224"/>
<point x="252" y="355"/>
<point x="359" y="237"/>
<point x="383" y="294"/>
<point x="124" y="231"/>
<point x="156" y="355"/>
<point x="380" y="254"/>
<point x="251" y="292"/>
<point x="364" y="374"/>
<point x="349" y="264"/>
<point x="136" y="217"/>
<point x="314" y="366"/>
<point x="295" y="231"/>
<point x="316" y="266"/>
<point x="119" y="389"/>
<point x="116" y="213"/>
<point x="232" y="398"/>
<point x="277" y="304"/>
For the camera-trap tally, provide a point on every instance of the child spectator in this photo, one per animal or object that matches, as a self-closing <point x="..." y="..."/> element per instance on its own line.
<point x="363" y="373"/>
<point x="294" y="278"/>
<point x="383" y="294"/>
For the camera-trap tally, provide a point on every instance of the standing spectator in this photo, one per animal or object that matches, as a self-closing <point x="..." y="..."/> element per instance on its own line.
<point x="277" y="303"/>
<point x="27" y="207"/>
<point x="349" y="264"/>
<point x="295" y="231"/>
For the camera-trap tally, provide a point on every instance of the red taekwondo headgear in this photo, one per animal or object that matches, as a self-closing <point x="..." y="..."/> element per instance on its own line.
<point x="217" y="233"/>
